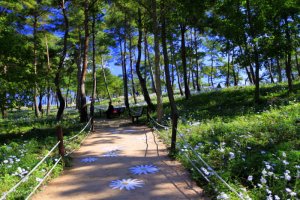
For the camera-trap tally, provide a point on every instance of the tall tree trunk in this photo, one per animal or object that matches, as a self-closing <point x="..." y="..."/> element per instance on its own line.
<point x="193" y="79"/>
<point x="279" y="69"/>
<point x="3" y="99"/>
<point x="78" y="58"/>
<point x="68" y="89"/>
<point x="247" y="53"/>
<point x="172" y="75"/>
<point x="288" y="66"/>
<point x="156" y="63"/>
<point x="249" y="75"/>
<point x="125" y="80"/>
<point x="35" y="91"/>
<point x="270" y="69"/>
<point x="92" y="108"/>
<point x="183" y="57"/>
<point x="138" y="62"/>
<point x="131" y="69"/>
<point x="235" y="74"/>
<point x="297" y="62"/>
<point x="256" y="56"/>
<point x="150" y="64"/>
<point x="41" y="103"/>
<point x="174" y="112"/>
<point x="48" y="100"/>
<point x="83" y="106"/>
<point x="105" y="81"/>
<point x="197" y="60"/>
<point x="61" y="65"/>
<point x="48" y="74"/>
<point x="228" y="69"/>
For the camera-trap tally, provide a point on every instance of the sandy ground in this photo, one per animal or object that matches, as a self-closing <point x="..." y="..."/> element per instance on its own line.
<point x="137" y="146"/>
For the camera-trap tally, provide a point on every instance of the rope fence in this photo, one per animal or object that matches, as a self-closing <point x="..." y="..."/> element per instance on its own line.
<point x="59" y="144"/>
<point x="199" y="158"/>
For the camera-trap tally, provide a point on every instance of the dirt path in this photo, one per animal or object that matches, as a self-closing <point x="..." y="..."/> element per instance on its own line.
<point x="116" y="147"/>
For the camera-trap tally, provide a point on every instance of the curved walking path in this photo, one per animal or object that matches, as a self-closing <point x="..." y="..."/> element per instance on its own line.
<point x="136" y="145"/>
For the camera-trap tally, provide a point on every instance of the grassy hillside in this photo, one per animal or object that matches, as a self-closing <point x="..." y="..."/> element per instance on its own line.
<point x="254" y="148"/>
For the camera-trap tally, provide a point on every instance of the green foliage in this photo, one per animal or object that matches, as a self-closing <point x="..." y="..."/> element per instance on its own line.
<point x="240" y="140"/>
<point x="25" y="141"/>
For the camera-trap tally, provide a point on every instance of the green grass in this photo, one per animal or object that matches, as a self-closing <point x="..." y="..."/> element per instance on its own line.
<point x="240" y="139"/>
<point x="25" y="140"/>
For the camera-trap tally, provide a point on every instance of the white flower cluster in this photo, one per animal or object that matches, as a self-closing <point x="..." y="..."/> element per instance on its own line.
<point x="223" y="195"/>
<point x="10" y="161"/>
<point x="21" y="172"/>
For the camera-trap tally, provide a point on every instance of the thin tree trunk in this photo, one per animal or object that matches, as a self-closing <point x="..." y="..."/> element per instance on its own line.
<point x="48" y="74"/>
<point x="68" y="89"/>
<point x="123" y="57"/>
<point x="131" y="69"/>
<point x="183" y="57"/>
<point x="150" y="64"/>
<point x="270" y="69"/>
<point x="92" y="108"/>
<point x="235" y="74"/>
<point x="249" y="75"/>
<point x="279" y="69"/>
<point x="138" y="62"/>
<point x="288" y="66"/>
<point x="61" y="65"/>
<point x="83" y="106"/>
<point x="228" y="69"/>
<point x="156" y="63"/>
<point x="105" y="81"/>
<point x="3" y="99"/>
<point x="174" y="112"/>
<point x="256" y="56"/>
<point x="297" y="62"/>
<point x="197" y="60"/>
<point x="48" y="100"/>
<point x="41" y="103"/>
<point x="78" y="57"/>
<point x="35" y="93"/>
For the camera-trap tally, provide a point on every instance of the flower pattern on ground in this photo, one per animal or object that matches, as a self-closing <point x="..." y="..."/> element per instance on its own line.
<point x="144" y="169"/>
<point x="128" y="184"/>
<point x="88" y="160"/>
<point x="113" y="153"/>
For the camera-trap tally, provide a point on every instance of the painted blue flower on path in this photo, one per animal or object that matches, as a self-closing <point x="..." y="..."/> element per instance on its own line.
<point x="111" y="154"/>
<point x="88" y="160"/>
<point x="144" y="169"/>
<point x="128" y="184"/>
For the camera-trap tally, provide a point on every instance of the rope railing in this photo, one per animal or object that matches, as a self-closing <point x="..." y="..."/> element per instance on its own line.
<point x="199" y="158"/>
<point x="45" y="177"/>
<point x="71" y="138"/>
<point x="78" y="135"/>
<point x="24" y="179"/>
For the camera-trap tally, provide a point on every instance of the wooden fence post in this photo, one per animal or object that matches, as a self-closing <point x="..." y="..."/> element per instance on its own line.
<point x="60" y="137"/>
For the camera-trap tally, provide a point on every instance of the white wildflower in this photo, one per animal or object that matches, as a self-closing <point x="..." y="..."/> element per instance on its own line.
<point x="293" y="194"/>
<point x="231" y="155"/>
<point x="288" y="190"/>
<point x="263" y="180"/>
<point x="223" y="195"/>
<point x="264" y="172"/>
<point x="277" y="197"/>
<point x="285" y="162"/>
<point x="250" y="178"/>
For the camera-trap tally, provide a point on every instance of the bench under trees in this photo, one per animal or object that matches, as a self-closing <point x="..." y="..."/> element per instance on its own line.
<point x="135" y="113"/>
